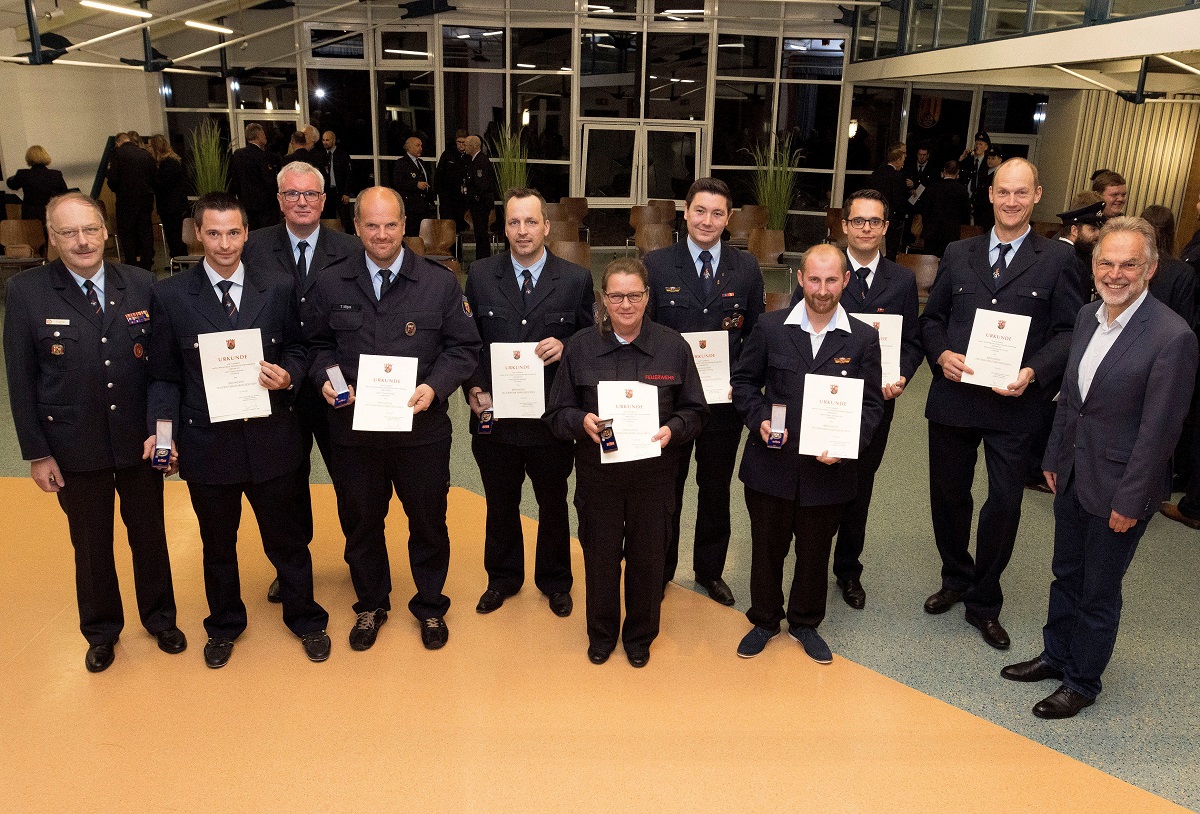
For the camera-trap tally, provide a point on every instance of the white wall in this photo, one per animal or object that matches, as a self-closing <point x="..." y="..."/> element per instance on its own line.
<point x="71" y="111"/>
<point x="1057" y="151"/>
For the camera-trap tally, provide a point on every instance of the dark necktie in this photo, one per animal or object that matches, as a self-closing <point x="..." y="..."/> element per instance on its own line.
<point x="706" y="272"/>
<point x="386" y="275"/>
<point x="999" y="266"/>
<point x="227" y="301"/>
<point x="302" y="263"/>
<point x="526" y="286"/>
<point x="420" y="169"/>
<point x="861" y="274"/>
<point x="92" y="299"/>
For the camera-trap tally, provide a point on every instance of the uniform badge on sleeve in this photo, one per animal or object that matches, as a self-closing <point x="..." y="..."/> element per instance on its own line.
<point x="466" y="306"/>
<point x="138" y="350"/>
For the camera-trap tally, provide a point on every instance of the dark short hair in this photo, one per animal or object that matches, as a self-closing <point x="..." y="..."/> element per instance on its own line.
<point x="216" y="202"/>
<point x="523" y="192"/>
<point x="864" y="195"/>
<point x="714" y="186"/>
<point x="297" y="138"/>
<point x="896" y="150"/>
<point x="1106" y="179"/>
<point x="950" y="167"/>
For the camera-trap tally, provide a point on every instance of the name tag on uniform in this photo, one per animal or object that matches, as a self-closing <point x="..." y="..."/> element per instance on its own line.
<point x="58" y="322"/>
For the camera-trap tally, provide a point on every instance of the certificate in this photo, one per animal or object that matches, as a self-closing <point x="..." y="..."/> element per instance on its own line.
<point x="518" y="381"/>
<point x="832" y="416"/>
<point x="229" y="365"/>
<point x="710" y="350"/>
<point x="385" y="384"/>
<point x="891" y="329"/>
<point x="996" y="347"/>
<point x="633" y="409"/>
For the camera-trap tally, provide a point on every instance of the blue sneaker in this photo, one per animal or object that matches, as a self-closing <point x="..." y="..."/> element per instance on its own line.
<point x="812" y="642"/>
<point x="753" y="642"/>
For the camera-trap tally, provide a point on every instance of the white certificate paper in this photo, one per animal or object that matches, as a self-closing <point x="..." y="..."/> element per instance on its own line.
<point x="891" y="329"/>
<point x="710" y="350"/>
<point x="385" y="384"/>
<point x="633" y="408"/>
<point x="518" y="381"/>
<point x="996" y="347"/>
<point x="229" y="364"/>
<point x="832" y="416"/>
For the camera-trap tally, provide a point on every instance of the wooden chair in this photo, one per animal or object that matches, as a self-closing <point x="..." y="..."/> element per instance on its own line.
<point x="556" y="211"/>
<point x="643" y="214"/>
<point x="778" y="299"/>
<point x="743" y="221"/>
<point x="966" y="230"/>
<point x="439" y="237"/>
<point x="766" y="245"/>
<point x="12" y="211"/>
<point x="925" y="267"/>
<point x="577" y="210"/>
<point x="333" y="224"/>
<point x="416" y="244"/>
<point x="834" y="233"/>
<point x="651" y="236"/>
<point x="663" y="204"/>
<point x="22" y="238"/>
<point x="576" y="251"/>
<point x="195" y="249"/>
<point x="563" y="230"/>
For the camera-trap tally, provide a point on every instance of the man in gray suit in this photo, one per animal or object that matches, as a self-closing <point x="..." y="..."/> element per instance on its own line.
<point x="1124" y="395"/>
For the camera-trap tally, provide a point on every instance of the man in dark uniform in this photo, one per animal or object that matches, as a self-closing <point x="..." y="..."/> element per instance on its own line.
<point x="339" y="186"/>
<point x="410" y="177"/>
<point x="390" y="301"/>
<point x="945" y="208"/>
<point x="972" y="167"/>
<point x="450" y="179"/>
<point x="981" y="203"/>
<point x="789" y="494"/>
<point x="75" y="336"/>
<point x="876" y="286"/>
<point x="704" y="284"/>
<point x="525" y="295"/>
<point x="889" y="179"/>
<point x="252" y="178"/>
<point x="226" y="459"/>
<point x="481" y="195"/>
<point x="1011" y="270"/>
<point x="1081" y="227"/>
<point x="131" y="176"/>
<point x="301" y="249"/>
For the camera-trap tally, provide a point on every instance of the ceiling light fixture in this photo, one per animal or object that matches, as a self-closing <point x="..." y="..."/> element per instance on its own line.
<point x="405" y="53"/>
<point x="132" y="12"/>
<point x="219" y="29"/>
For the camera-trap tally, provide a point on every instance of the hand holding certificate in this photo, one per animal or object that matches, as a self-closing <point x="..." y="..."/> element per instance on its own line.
<point x="891" y="329"/>
<point x="229" y="364"/>
<point x="832" y="416"/>
<point x="518" y="380"/>
<point x="710" y="350"/>
<point x="385" y="386"/>
<point x="995" y="349"/>
<point x="633" y="409"/>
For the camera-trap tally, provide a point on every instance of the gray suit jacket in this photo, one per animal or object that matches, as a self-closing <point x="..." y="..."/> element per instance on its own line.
<point x="1118" y="441"/>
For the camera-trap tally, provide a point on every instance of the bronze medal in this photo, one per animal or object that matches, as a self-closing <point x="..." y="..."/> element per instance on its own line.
<point x="737" y="320"/>
<point x="57" y="350"/>
<point x="410" y="328"/>
<point x="726" y="323"/>
<point x="138" y="350"/>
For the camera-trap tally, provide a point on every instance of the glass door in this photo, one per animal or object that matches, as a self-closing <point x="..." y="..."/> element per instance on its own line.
<point x="627" y="164"/>
<point x="278" y="125"/>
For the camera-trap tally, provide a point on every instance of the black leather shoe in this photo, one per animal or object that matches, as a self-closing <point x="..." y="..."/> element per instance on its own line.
<point x="853" y="593"/>
<point x="99" y="657"/>
<point x="599" y="655"/>
<point x="561" y="604"/>
<point x="993" y="632"/>
<point x="273" y="592"/>
<point x="434" y="633"/>
<point x="1032" y="670"/>
<point x="717" y="590"/>
<point x="638" y="656"/>
<point x="366" y="628"/>
<point x="943" y="600"/>
<point x="171" y="640"/>
<point x="217" y="652"/>
<point x="1062" y="703"/>
<point x="490" y="601"/>
<point x="316" y="645"/>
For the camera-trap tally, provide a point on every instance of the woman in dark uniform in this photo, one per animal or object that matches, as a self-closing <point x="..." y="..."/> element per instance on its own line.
<point x="625" y="508"/>
<point x="170" y="194"/>
<point x="39" y="183"/>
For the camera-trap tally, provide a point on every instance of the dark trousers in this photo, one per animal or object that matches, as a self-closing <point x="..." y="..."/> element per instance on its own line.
<point x="453" y="207"/>
<point x="87" y="500"/>
<point x="275" y="502"/>
<point x="773" y="523"/>
<point x="1090" y="561"/>
<point x="172" y="223"/>
<point x="953" y="452"/>
<point x="631" y="521"/>
<point x="852" y="531"/>
<point x="480" y="215"/>
<point x="716" y="452"/>
<point x="1041" y="437"/>
<point x="137" y="235"/>
<point x="311" y="406"/>
<point x="334" y="208"/>
<point x="503" y="468"/>
<point x="365" y="478"/>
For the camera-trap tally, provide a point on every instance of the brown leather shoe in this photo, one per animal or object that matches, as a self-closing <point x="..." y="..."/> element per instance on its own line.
<point x="1172" y="511"/>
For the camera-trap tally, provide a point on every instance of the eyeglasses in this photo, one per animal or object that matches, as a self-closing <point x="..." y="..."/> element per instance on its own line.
<point x="860" y="223"/>
<point x="71" y="234"/>
<point x="634" y="297"/>
<point x="291" y="196"/>
<point x="1128" y="266"/>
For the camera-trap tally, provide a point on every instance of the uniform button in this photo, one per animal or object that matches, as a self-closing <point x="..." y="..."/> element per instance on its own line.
<point x="844" y="373"/>
<point x="301" y="324"/>
<point x="104" y="340"/>
<point x="273" y="340"/>
<point x="195" y="344"/>
<point x="112" y="407"/>
<point x="706" y="310"/>
<point x="672" y="303"/>
<point x="107" y="362"/>
<point x="143" y="330"/>
<point x="524" y="322"/>
<point x="110" y="385"/>
<point x="56" y="333"/>
<point x="1035" y="293"/>
<point x="491" y="313"/>
<point x="302" y="299"/>
<point x="49" y="418"/>
<point x="190" y="421"/>
<point x="993" y="301"/>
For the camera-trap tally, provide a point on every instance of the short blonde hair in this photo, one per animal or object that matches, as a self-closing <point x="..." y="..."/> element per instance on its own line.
<point x="37" y="155"/>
